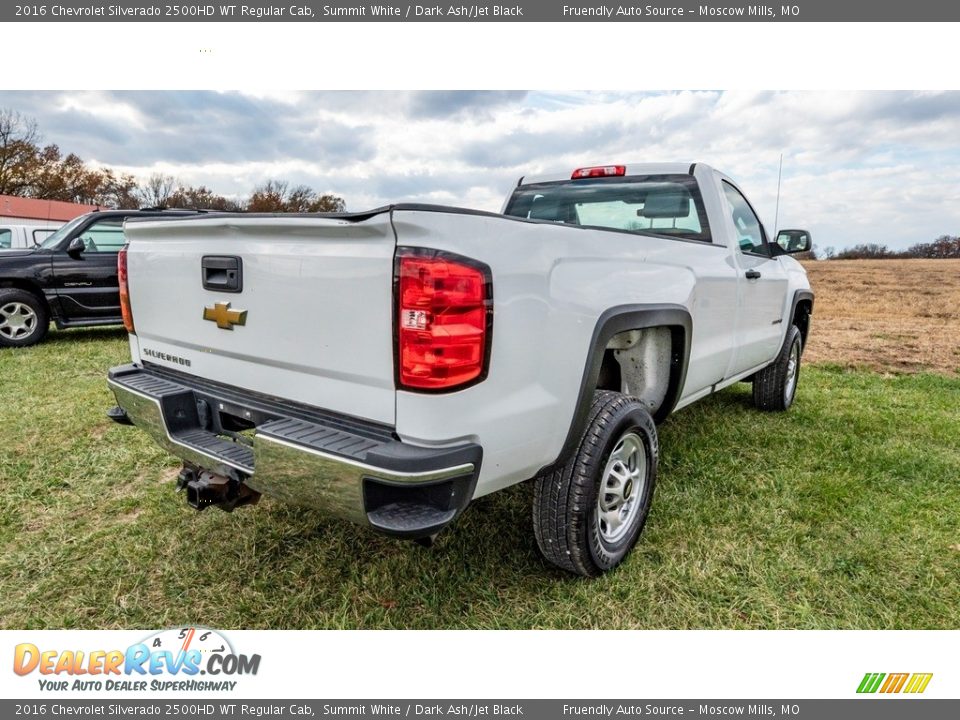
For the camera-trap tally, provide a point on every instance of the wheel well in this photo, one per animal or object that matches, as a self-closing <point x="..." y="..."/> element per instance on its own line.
<point x="610" y="377"/>
<point x="26" y="286"/>
<point x="604" y="370"/>
<point x="642" y="362"/>
<point x="801" y="318"/>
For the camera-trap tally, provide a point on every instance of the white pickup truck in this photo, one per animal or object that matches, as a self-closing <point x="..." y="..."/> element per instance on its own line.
<point x="390" y="366"/>
<point x="19" y="237"/>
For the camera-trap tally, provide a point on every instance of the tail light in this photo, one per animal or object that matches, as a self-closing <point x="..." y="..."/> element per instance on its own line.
<point x="124" y="291"/>
<point x="444" y="307"/>
<point x="601" y="171"/>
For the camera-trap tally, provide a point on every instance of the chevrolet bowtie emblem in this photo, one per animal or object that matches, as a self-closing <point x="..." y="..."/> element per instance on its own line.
<point x="224" y="317"/>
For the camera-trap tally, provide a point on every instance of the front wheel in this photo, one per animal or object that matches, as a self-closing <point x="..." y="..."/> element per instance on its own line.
<point x="589" y="513"/>
<point x="775" y="386"/>
<point x="23" y="318"/>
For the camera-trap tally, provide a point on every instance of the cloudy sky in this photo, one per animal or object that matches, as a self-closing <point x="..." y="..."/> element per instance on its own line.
<point x="857" y="167"/>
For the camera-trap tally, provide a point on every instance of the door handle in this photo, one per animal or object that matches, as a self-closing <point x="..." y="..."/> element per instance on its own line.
<point x="222" y="273"/>
<point x="753" y="274"/>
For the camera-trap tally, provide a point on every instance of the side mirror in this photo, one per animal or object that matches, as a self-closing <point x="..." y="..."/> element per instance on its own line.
<point x="794" y="241"/>
<point x="76" y="247"/>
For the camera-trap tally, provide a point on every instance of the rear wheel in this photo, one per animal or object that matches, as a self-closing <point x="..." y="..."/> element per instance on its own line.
<point x="775" y="386"/>
<point x="589" y="513"/>
<point x="23" y="318"/>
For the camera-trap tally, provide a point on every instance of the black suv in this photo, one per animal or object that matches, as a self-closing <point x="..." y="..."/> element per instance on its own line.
<point x="70" y="278"/>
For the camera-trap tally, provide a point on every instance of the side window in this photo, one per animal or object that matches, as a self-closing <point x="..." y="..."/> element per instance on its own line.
<point x="6" y="239"/>
<point x="745" y="222"/>
<point x="40" y="235"/>
<point x="105" y="236"/>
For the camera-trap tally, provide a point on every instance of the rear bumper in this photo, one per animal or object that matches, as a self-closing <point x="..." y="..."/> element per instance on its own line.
<point x="349" y="468"/>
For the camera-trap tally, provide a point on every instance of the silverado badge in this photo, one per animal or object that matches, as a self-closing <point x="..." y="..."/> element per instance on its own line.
<point x="224" y="317"/>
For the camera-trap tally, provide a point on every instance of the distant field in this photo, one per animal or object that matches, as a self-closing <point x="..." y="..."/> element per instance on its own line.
<point x="842" y="513"/>
<point x="888" y="315"/>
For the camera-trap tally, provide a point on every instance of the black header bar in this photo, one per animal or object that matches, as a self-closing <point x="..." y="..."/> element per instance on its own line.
<point x="852" y="11"/>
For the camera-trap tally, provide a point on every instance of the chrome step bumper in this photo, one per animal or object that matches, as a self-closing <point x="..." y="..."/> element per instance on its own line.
<point x="349" y="468"/>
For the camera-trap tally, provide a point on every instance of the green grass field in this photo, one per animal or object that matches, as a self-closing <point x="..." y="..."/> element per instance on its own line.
<point x="842" y="513"/>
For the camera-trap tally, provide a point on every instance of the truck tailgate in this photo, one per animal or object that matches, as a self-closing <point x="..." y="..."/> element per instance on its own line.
<point x="311" y="322"/>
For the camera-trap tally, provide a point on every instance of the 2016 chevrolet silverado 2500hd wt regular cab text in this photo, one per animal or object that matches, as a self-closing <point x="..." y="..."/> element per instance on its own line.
<point x="390" y="366"/>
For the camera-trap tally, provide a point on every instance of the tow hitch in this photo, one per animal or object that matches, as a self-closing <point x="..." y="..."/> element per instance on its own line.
<point x="206" y="489"/>
<point x="119" y="415"/>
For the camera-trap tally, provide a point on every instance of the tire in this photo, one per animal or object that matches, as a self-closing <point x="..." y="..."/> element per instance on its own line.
<point x="24" y="319"/>
<point x="775" y="386"/>
<point x="576" y="528"/>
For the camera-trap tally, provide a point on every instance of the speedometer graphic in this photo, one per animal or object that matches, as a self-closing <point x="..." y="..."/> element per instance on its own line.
<point x="183" y="639"/>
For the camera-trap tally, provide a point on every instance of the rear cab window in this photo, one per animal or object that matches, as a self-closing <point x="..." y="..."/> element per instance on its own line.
<point x="665" y="205"/>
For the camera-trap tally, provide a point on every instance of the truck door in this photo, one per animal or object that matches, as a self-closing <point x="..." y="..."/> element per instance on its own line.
<point x="762" y="288"/>
<point x="86" y="282"/>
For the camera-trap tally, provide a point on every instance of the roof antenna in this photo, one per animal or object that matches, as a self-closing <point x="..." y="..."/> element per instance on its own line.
<point x="776" y="215"/>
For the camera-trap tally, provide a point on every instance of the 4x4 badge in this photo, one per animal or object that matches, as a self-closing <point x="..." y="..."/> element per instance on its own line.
<point x="224" y="317"/>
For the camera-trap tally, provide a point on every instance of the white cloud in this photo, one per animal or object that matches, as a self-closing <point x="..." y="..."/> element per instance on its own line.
<point x="858" y="166"/>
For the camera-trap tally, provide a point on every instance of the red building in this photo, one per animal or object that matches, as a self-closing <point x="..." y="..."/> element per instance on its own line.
<point x="28" y="211"/>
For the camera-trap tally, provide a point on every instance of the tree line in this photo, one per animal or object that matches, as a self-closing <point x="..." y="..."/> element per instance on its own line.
<point x="28" y="168"/>
<point x="944" y="247"/>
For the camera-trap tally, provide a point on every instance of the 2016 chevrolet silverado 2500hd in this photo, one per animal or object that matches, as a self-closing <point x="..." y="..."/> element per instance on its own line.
<point x="390" y="366"/>
<point x="70" y="278"/>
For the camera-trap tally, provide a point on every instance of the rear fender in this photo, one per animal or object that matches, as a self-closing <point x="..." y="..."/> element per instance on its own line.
<point x="617" y="320"/>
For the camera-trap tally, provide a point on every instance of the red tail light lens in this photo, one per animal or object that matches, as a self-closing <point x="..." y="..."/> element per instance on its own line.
<point x="124" y="291"/>
<point x="444" y="319"/>
<point x="601" y="171"/>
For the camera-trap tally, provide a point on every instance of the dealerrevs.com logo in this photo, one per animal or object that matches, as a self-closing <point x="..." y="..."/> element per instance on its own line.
<point x="892" y="683"/>
<point x="179" y="659"/>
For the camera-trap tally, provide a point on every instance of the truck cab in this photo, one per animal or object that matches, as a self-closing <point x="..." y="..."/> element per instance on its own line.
<point x="742" y="277"/>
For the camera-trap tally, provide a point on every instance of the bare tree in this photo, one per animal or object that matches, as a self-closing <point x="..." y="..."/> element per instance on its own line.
<point x="944" y="247"/>
<point x="19" y="151"/>
<point x="157" y="190"/>
<point x="866" y="251"/>
<point x="269" y="197"/>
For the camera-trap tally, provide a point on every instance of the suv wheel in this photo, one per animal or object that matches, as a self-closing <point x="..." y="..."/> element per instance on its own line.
<point x="23" y="318"/>
<point x="589" y="513"/>
<point x="775" y="386"/>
